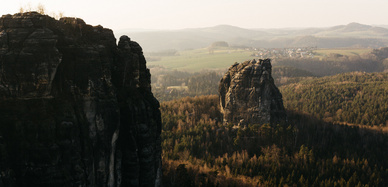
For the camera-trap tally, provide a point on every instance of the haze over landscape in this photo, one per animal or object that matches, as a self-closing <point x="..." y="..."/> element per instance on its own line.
<point x="175" y="14"/>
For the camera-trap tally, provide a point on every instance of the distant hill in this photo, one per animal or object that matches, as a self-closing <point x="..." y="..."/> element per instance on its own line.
<point x="355" y="98"/>
<point x="191" y="38"/>
<point x="350" y="35"/>
<point x="384" y="26"/>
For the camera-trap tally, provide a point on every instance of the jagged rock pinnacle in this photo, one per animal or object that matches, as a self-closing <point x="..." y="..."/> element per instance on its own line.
<point x="248" y="94"/>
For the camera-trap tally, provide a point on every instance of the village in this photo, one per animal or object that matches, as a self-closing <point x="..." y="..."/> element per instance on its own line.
<point x="273" y="53"/>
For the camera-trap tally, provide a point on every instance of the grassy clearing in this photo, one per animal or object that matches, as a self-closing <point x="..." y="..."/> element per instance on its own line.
<point x="201" y="59"/>
<point x="180" y="88"/>
<point x="345" y="51"/>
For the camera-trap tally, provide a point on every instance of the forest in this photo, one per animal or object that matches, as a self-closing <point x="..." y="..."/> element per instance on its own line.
<point x="198" y="150"/>
<point x="206" y="83"/>
<point x="355" y="98"/>
<point x="352" y="98"/>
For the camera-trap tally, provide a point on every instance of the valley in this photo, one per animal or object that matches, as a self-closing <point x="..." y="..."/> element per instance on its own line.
<point x="336" y="133"/>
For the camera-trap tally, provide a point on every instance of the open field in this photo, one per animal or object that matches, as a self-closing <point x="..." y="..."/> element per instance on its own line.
<point x="180" y="88"/>
<point x="344" y="51"/>
<point x="201" y="59"/>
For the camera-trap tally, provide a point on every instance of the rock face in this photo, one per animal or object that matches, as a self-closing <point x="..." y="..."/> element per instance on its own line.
<point x="248" y="94"/>
<point x="75" y="108"/>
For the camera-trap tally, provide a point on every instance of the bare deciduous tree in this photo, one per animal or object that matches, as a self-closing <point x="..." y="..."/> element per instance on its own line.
<point x="40" y="8"/>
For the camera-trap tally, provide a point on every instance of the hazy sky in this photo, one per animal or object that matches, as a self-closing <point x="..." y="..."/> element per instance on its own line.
<point x="179" y="14"/>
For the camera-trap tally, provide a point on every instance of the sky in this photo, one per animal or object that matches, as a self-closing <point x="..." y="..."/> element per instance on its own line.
<point x="180" y="14"/>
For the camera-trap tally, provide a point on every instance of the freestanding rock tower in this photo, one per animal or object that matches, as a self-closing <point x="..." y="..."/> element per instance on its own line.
<point x="75" y="108"/>
<point x="248" y="94"/>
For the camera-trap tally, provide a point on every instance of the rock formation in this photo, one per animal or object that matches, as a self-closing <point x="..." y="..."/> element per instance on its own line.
<point x="75" y="108"/>
<point x="248" y="94"/>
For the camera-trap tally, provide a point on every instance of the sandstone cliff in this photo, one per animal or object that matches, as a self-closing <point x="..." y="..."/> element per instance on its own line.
<point x="248" y="94"/>
<point x="75" y="108"/>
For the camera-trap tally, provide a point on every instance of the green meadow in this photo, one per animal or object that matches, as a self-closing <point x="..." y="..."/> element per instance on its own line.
<point x="344" y="51"/>
<point x="202" y="59"/>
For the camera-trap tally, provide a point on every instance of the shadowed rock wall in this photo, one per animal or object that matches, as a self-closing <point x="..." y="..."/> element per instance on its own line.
<point x="75" y="108"/>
